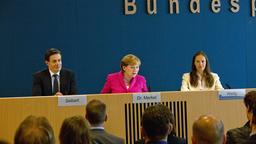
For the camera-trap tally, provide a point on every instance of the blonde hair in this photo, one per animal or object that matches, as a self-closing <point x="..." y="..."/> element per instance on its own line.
<point x="129" y="59"/>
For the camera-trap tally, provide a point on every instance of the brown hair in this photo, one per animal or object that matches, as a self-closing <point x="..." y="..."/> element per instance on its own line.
<point x="51" y="52"/>
<point x="96" y="112"/>
<point x="34" y="130"/>
<point x="209" y="81"/>
<point x="250" y="103"/>
<point x="74" y="130"/>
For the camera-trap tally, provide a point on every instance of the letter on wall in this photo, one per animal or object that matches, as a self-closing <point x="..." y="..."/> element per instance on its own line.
<point x="195" y="6"/>
<point x="171" y="6"/>
<point x="130" y="7"/>
<point x="216" y="6"/>
<point x="151" y="10"/>
<point x="253" y="7"/>
<point x="234" y="6"/>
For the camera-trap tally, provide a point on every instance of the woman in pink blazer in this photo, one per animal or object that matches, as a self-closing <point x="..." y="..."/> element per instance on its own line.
<point x="127" y="80"/>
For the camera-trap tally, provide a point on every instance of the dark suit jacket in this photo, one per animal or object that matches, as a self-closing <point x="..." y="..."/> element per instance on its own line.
<point x="171" y="140"/>
<point x="239" y="135"/>
<point x="156" y="142"/>
<point x="42" y="84"/>
<point x="175" y="140"/>
<point x="100" y="136"/>
<point x="252" y="139"/>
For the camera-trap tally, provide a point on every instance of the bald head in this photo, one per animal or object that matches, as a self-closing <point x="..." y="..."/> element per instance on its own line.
<point x="208" y="130"/>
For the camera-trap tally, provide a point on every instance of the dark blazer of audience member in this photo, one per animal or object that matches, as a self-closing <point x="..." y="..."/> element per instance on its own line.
<point x="208" y="130"/>
<point x="34" y="130"/>
<point x="242" y="134"/>
<point x="172" y="138"/>
<point x="156" y="124"/>
<point x="43" y="80"/>
<point x="75" y="130"/>
<point x="96" y="114"/>
<point x="200" y="77"/>
<point x="127" y="80"/>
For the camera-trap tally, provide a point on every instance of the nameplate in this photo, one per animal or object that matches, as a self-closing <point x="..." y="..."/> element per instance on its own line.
<point x="146" y="97"/>
<point x="72" y="100"/>
<point x="232" y="94"/>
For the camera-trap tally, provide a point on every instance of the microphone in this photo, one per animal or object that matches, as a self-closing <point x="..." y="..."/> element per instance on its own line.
<point x="149" y="87"/>
<point x="228" y="86"/>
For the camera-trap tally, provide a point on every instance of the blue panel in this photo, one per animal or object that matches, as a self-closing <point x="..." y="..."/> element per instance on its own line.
<point x="94" y="35"/>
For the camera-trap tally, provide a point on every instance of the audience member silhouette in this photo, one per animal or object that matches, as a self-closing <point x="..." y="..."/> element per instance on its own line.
<point x="242" y="134"/>
<point x="171" y="139"/>
<point x="157" y="123"/>
<point x="34" y="130"/>
<point x="208" y="130"/>
<point x="74" y="130"/>
<point x="96" y="114"/>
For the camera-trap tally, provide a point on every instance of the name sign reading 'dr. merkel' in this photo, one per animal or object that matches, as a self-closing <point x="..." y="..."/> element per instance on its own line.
<point x="72" y="100"/>
<point x="146" y="97"/>
<point x="232" y="94"/>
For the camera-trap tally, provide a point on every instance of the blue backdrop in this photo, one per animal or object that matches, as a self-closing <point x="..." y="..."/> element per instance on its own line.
<point x="94" y="35"/>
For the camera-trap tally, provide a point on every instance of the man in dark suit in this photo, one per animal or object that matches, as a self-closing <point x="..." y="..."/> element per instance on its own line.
<point x="242" y="134"/>
<point x="96" y="115"/>
<point x="156" y="124"/>
<point x="239" y="135"/>
<point x="55" y="80"/>
<point x="208" y="130"/>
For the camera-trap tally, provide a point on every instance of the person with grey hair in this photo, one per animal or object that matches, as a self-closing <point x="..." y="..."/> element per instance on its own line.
<point x="208" y="130"/>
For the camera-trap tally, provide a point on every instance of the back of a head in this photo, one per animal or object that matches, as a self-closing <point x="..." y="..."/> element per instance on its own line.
<point x="96" y="112"/>
<point x="208" y="130"/>
<point x="74" y="130"/>
<point x="156" y="121"/>
<point x="250" y="99"/>
<point x="34" y="130"/>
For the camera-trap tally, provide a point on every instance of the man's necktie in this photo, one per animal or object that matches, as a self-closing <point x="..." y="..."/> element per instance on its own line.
<point x="55" y="84"/>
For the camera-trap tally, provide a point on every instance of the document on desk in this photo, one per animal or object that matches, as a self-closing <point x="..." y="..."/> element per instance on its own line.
<point x="232" y="94"/>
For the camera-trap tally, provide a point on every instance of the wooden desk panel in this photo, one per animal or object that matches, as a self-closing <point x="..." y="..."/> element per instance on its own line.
<point x="187" y="106"/>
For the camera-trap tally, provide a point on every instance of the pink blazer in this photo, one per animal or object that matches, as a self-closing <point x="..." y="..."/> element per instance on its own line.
<point x="115" y="84"/>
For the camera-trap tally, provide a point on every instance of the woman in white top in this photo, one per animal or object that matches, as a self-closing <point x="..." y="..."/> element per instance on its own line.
<point x="201" y="77"/>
